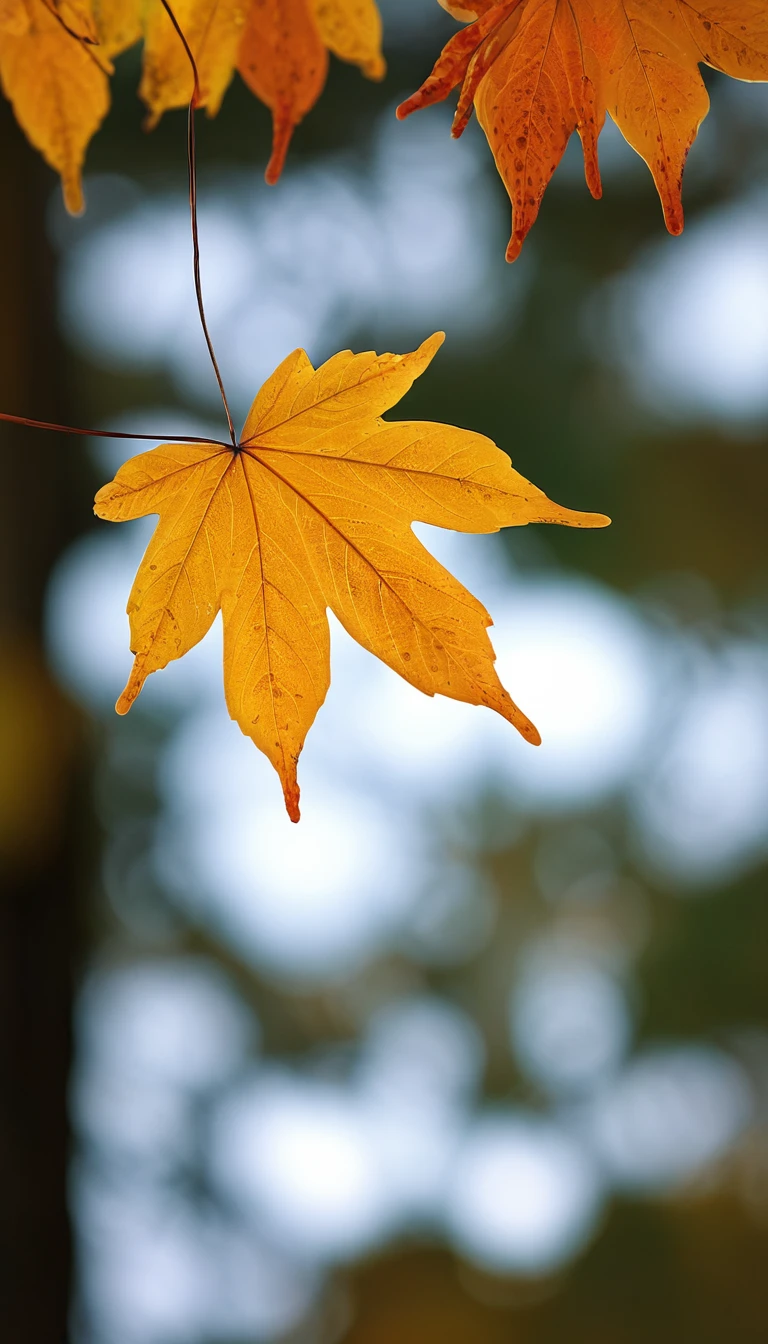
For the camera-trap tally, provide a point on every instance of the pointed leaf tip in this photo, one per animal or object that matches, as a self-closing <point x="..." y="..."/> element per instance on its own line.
<point x="515" y="246"/>
<point x="291" y="796"/>
<point x="532" y="735"/>
<point x="282" y="134"/>
<point x="434" y="341"/>
<point x="74" y="199"/>
<point x="133" y="686"/>
<point x="412" y="104"/>
<point x="514" y="715"/>
<point x="126" y="700"/>
<point x="375" y="69"/>
<point x="286" y="766"/>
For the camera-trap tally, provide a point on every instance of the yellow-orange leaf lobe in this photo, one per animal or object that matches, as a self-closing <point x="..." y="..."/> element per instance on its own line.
<point x="538" y="70"/>
<point x="313" y="510"/>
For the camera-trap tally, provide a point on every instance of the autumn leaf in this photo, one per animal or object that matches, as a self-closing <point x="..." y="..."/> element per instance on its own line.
<point x="538" y="70"/>
<point x="284" y="61"/>
<point x="313" y="509"/>
<point x="56" y="81"/>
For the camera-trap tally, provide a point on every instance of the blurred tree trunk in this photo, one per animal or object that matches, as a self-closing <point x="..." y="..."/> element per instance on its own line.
<point x="40" y="511"/>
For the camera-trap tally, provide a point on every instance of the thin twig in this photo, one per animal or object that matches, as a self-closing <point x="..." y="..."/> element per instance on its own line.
<point x="192" y="166"/>
<point x="110" y="433"/>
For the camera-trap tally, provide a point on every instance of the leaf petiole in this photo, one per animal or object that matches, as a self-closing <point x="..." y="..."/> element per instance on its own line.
<point x="192" y="166"/>
<point x="109" y="433"/>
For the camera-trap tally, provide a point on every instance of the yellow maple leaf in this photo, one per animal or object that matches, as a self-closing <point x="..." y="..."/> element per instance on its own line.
<point x="56" y="81"/>
<point x="313" y="509"/>
<point x="538" y="70"/>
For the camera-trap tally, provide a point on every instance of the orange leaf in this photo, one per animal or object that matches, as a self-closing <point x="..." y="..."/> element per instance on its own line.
<point x="313" y="509"/>
<point x="537" y="70"/>
<point x="283" y="60"/>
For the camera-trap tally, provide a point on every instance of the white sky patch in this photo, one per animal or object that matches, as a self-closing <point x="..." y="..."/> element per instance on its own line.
<point x="690" y="320"/>
<point x="569" y="1021"/>
<point x="142" y="1122"/>
<point x="299" y="1159"/>
<point x="177" y="1021"/>
<point x="580" y="663"/>
<point x="327" y="1170"/>
<point x="701" y="809"/>
<point x="422" y="1048"/>
<point x="672" y="1111"/>
<point x="144" y="1271"/>
<point x="417" y="1078"/>
<point x="311" y="900"/>
<point x="523" y="1198"/>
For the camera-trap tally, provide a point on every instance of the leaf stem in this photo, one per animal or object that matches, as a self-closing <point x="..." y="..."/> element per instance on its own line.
<point x="192" y="167"/>
<point x="110" y="433"/>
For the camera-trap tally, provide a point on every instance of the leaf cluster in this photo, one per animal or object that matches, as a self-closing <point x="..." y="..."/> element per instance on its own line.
<point x="535" y="71"/>
<point x="56" y="59"/>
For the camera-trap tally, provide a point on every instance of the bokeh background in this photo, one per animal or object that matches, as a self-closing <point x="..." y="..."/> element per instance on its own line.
<point x="478" y="1053"/>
